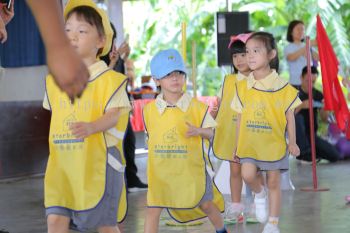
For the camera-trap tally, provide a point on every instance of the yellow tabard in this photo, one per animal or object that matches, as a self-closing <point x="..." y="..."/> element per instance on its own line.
<point x="76" y="171"/>
<point x="224" y="141"/>
<point x="263" y="122"/>
<point x="121" y="127"/>
<point x="187" y="215"/>
<point x="176" y="164"/>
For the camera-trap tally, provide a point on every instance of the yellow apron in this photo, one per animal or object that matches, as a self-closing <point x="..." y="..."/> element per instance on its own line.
<point x="121" y="128"/>
<point x="263" y="122"/>
<point x="176" y="164"/>
<point x="76" y="171"/>
<point x="224" y="141"/>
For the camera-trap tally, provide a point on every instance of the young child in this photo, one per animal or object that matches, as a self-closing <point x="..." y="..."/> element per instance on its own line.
<point x="265" y="104"/>
<point x="84" y="181"/>
<point x="224" y="142"/>
<point x="178" y="165"/>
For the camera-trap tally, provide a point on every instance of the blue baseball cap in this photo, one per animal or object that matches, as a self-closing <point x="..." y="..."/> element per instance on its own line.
<point x="165" y="62"/>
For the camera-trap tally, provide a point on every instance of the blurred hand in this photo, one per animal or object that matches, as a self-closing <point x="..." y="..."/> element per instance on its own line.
<point x="113" y="57"/>
<point x="81" y="130"/>
<point x="305" y="104"/>
<point x="293" y="149"/>
<point x="3" y="32"/>
<point x="192" y="130"/>
<point x="236" y="159"/>
<point x="313" y="43"/>
<point x="124" y="50"/>
<point x="7" y="14"/>
<point x="68" y="70"/>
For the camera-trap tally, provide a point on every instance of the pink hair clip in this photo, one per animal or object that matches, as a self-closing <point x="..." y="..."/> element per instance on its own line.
<point x="242" y="37"/>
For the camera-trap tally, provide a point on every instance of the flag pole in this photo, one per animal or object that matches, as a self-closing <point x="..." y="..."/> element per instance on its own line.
<point x="183" y="48"/>
<point x="315" y="187"/>
<point x="194" y="69"/>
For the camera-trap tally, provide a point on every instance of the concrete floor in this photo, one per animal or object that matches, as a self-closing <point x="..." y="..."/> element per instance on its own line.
<point x="22" y="211"/>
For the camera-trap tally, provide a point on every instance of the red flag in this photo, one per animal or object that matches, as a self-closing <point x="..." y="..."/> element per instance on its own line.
<point x="334" y="99"/>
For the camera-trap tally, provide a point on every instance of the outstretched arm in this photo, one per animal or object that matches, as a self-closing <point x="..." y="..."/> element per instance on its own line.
<point x="193" y="131"/>
<point x="107" y="121"/>
<point x="67" y="68"/>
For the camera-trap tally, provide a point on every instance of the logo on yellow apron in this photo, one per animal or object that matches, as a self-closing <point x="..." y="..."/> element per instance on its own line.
<point x="170" y="136"/>
<point x="67" y="122"/>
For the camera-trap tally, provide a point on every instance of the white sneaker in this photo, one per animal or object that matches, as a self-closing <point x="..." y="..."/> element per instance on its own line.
<point x="261" y="213"/>
<point x="271" y="228"/>
<point x="234" y="211"/>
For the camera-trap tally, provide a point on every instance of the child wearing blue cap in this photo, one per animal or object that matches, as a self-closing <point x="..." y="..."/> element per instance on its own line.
<point x="178" y="128"/>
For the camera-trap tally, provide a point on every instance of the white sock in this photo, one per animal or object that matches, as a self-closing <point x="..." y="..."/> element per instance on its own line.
<point x="262" y="193"/>
<point x="273" y="220"/>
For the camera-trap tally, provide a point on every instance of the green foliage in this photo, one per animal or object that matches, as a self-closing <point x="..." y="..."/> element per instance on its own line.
<point x="160" y="28"/>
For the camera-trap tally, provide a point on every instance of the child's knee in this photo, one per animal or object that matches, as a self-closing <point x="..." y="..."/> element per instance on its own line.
<point x="206" y="206"/>
<point x="108" y="229"/>
<point x="248" y="177"/>
<point x="54" y="221"/>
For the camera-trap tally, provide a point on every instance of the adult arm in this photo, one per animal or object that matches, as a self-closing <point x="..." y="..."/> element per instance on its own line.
<point x="67" y="68"/>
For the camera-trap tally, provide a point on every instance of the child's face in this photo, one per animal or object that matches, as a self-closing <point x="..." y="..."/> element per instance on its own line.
<point x="240" y="62"/>
<point x="305" y="80"/>
<point x="172" y="83"/>
<point x="257" y="55"/>
<point x="83" y="37"/>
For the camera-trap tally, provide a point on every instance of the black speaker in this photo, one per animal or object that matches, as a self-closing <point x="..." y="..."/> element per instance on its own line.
<point x="228" y="24"/>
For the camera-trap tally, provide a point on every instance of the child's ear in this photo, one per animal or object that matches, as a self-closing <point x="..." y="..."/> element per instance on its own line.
<point x="157" y="82"/>
<point x="272" y="54"/>
<point x="101" y="43"/>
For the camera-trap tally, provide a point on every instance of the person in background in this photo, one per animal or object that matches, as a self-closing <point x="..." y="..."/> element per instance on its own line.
<point x="115" y="59"/>
<point x="295" y="51"/>
<point x="324" y="150"/>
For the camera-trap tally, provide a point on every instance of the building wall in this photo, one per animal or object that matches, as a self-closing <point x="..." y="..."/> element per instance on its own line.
<point x="22" y="84"/>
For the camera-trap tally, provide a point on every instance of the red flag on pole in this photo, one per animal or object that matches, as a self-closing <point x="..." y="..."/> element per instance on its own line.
<point x="334" y="99"/>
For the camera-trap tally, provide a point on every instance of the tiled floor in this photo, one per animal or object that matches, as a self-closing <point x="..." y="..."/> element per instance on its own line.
<point x="21" y="205"/>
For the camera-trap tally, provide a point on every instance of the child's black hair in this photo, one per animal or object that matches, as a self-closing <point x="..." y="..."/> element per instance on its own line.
<point x="92" y="17"/>
<point x="270" y="44"/>
<point x="106" y="58"/>
<point x="313" y="70"/>
<point x="236" y="47"/>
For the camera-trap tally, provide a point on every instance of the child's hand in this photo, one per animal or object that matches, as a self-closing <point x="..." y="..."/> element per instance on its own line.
<point x="293" y="149"/>
<point x="81" y="130"/>
<point x="305" y="104"/>
<point x="113" y="57"/>
<point x="235" y="158"/>
<point x="192" y="130"/>
<point x="124" y="50"/>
